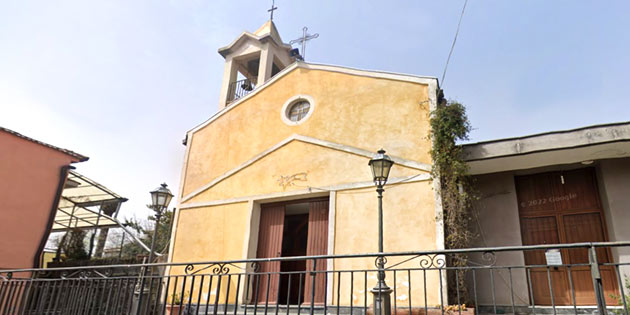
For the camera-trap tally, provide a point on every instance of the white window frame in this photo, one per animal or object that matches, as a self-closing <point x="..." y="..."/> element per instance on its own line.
<point x="284" y="113"/>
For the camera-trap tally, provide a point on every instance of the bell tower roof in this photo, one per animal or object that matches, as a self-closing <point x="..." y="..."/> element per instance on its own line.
<point x="269" y="28"/>
<point x="267" y="31"/>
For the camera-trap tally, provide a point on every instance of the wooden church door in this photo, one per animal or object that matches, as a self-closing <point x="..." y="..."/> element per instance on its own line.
<point x="563" y="207"/>
<point x="317" y="245"/>
<point x="269" y="246"/>
<point x="272" y="230"/>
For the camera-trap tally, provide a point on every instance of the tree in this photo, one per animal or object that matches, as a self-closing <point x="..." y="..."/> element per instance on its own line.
<point x="73" y="245"/>
<point x="144" y="230"/>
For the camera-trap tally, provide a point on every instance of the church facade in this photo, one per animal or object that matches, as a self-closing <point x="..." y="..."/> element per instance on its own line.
<point x="282" y="168"/>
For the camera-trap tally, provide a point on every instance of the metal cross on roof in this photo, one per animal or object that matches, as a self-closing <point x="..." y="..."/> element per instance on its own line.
<point x="302" y="40"/>
<point x="273" y="8"/>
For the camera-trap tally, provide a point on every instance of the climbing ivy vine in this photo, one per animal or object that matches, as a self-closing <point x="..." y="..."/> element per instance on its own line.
<point x="449" y="124"/>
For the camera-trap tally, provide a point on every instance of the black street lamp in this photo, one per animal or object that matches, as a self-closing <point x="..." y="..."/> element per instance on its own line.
<point x="381" y="164"/>
<point x="160" y="198"/>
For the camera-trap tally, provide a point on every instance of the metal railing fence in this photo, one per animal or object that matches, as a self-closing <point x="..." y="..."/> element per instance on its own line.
<point x="498" y="280"/>
<point x="240" y="88"/>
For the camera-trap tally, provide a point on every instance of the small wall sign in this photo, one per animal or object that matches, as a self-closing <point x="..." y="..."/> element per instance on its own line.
<point x="543" y="201"/>
<point x="554" y="257"/>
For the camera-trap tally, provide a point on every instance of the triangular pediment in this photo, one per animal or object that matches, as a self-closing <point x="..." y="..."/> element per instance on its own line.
<point x="295" y="163"/>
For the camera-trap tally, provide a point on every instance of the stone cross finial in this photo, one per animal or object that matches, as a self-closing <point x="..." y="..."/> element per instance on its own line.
<point x="273" y="8"/>
<point x="302" y="40"/>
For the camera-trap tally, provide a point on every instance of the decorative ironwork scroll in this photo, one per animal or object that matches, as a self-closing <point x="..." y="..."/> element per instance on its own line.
<point x="217" y="269"/>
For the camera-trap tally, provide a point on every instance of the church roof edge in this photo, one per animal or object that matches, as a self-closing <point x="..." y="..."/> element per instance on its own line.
<point x="323" y="67"/>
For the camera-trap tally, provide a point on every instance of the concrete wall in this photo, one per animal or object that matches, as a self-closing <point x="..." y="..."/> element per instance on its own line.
<point x="614" y="186"/>
<point x="496" y="223"/>
<point x="29" y="178"/>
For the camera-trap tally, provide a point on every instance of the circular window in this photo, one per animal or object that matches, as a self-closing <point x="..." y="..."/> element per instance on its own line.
<point x="297" y="109"/>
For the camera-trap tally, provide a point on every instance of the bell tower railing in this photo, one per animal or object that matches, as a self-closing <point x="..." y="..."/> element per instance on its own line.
<point x="240" y="88"/>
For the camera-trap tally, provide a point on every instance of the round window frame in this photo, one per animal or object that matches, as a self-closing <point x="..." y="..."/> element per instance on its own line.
<point x="286" y="108"/>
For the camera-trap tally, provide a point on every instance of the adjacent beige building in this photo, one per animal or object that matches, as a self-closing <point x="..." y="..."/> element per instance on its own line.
<point x="566" y="186"/>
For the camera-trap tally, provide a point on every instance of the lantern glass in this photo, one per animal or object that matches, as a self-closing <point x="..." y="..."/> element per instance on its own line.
<point x="161" y="197"/>
<point x="387" y="166"/>
<point x="381" y="164"/>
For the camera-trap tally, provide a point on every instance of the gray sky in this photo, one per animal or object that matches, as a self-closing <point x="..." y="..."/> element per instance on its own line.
<point x="122" y="81"/>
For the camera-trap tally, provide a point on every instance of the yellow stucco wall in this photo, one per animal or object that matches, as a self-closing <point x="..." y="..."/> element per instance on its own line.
<point x="318" y="167"/>
<point x="408" y="219"/>
<point x="408" y="225"/>
<point x="368" y="113"/>
<point x="361" y="112"/>
<point x="211" y="233"/>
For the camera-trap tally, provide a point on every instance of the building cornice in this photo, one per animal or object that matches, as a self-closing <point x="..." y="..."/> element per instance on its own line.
<point x="548" y="141"/>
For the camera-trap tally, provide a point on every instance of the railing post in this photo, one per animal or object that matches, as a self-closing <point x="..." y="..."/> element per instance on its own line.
<point x="313" y="286"/>
<point x="598" y="287"/>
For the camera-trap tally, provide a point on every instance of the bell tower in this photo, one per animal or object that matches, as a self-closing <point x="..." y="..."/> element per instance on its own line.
<point x="251" y="60"/>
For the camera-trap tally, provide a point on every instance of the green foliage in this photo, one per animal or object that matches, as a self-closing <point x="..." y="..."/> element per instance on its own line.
<point x="176" y="299"/>
<point x="449" y="124"/>
<point x="73" y="245"/>
<point x="620" y="298"/>
<point x="145" y="234"/>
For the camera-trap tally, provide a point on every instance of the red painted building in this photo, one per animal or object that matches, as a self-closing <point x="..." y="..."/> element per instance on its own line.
<point x="32" y="178"/>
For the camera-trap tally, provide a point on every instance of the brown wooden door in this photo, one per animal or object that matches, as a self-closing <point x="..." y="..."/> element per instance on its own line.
<point x="544" y="230"/>
<point x="317" y="245"/>
<point x="588" y="227"/>
<point x="269" y="246"/>
<point x="563" y="207"/>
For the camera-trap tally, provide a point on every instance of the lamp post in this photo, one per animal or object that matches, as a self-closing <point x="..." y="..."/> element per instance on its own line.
<point x="160" y="198"/>
<point x="381" y="164"/>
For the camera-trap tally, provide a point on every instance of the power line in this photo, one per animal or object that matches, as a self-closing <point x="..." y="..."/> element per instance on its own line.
<point x="454" y="41"/>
